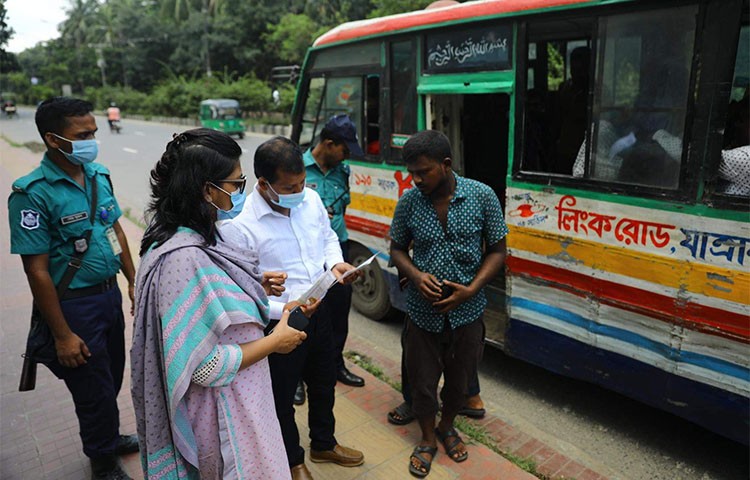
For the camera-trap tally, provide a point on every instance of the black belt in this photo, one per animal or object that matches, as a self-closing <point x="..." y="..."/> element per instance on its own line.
<point x="105" y="286"/>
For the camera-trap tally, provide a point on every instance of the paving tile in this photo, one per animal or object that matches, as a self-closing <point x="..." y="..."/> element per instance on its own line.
<point x="551" y="466"/>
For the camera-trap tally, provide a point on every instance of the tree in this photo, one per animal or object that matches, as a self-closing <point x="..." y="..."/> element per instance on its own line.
<point x="392" y="7"/>
<point x="292" y="36"/>
<point x="8" y="61"/>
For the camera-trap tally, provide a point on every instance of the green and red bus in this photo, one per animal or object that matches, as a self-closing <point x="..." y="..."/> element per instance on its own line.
<point x="606" y="128"/>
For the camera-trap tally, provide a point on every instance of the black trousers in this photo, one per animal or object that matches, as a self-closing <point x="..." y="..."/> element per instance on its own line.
<point x="339" y="300"/>
<point x="473" y="386"/>
<point x="313" y="362"/>
<point x="99" y="321"/>
<point x="453" y="354"/>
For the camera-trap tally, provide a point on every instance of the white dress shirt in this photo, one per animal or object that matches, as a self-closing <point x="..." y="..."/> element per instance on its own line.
<point x="303" y="244"/>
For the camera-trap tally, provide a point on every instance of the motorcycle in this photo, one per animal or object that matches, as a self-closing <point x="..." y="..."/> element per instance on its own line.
<point x="114" y="126"/>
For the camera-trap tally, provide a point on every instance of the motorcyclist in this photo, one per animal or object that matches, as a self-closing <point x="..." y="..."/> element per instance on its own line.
<point x="113" y="115"/>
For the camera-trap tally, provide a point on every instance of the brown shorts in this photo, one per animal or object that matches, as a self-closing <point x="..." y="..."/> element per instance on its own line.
<point x="452" y="353"/>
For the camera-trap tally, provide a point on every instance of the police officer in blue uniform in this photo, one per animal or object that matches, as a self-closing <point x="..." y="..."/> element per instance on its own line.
<point x="50" y="216"/>
<point x="329" y="176"/>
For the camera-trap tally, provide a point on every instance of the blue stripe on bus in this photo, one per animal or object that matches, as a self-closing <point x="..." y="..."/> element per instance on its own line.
<point x="697" y="359"/>
<point x="711" y="407"/>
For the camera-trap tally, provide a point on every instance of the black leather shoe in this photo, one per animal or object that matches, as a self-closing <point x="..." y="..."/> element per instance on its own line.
<point x="299" y="394"/>
<point x="127" y="444"/>
<point x="348" y="378"/>
<point x="107" y="467"/>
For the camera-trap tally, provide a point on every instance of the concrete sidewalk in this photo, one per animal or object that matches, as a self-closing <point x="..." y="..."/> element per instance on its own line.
<point x="39" y="430"/>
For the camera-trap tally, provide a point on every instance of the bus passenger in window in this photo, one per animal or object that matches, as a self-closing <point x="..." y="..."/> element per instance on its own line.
<point x="572" y="99"/>
<point x="735" y="158"/>
<point x="445" y="297"/>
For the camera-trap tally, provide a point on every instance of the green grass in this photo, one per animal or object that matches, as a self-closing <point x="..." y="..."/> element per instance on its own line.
<point x="476" y="433"/>
<point x="127" y="213"/>
<point x="36" y="147"/>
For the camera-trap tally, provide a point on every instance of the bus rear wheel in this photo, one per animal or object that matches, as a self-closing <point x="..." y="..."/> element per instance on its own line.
<point x="369" y="292"/>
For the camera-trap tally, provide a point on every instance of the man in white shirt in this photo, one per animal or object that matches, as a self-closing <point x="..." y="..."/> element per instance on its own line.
<point x="288" y="226"/>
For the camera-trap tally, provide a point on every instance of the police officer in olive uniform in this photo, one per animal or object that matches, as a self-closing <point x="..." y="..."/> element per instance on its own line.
<point x="329" y="176"/>
<point x="50" y="217"/>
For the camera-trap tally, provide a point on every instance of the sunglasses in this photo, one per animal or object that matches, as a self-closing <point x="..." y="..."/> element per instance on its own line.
<point x="241" y="182"/>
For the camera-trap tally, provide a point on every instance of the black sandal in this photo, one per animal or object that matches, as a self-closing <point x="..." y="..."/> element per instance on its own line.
<point x="401" y="415"/>
<point x="423" y="462"/>
<point x="450" y="449"/>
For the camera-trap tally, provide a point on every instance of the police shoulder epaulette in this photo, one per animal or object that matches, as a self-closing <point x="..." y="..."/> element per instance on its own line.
<point x="99" y="168"/>
<point x="23" y="183"/>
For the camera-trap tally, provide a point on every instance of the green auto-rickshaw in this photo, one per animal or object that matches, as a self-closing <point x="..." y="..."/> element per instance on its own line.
<point x="224" y="115"/>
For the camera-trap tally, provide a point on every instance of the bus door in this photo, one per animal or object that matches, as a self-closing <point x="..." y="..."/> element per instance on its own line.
<point x="477" y="126"/>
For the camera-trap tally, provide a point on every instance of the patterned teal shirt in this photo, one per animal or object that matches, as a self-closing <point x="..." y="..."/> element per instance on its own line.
<point x="48" y="210"/>
<point x="474" y="218"/>
<point x="333" y="188"/>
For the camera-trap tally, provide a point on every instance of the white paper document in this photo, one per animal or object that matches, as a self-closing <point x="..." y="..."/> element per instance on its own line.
<point x="325" y="281"/>
<point x="360" y="266"/>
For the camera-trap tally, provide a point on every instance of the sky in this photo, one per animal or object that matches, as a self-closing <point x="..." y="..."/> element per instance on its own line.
<point x="34" y="21"/>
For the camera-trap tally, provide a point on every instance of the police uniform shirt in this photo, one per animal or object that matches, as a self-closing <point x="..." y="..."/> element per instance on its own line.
<point x="48" y="211"/>
<point x="331" y="187"/>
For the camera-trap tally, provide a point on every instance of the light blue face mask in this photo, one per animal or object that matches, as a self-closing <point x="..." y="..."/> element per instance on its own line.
<point x="84" y="151"/>
<point x="238" y="201"/>
<point x="289" y="200"/>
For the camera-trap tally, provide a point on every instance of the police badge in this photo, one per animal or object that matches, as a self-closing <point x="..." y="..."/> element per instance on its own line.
<point x="29" y="219"/>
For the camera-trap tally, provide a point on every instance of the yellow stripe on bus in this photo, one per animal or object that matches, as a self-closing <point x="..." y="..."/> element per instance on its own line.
<point x="708" y="280"/>
<point x="373" y="204"/>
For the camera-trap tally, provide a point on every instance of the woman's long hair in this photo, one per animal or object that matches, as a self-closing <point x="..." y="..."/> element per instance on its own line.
<point x="178" y="185"/>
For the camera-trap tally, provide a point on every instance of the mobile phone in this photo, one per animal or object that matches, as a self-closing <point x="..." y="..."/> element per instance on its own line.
<point x="445" y="291"/>
<point x="297" y="319"/>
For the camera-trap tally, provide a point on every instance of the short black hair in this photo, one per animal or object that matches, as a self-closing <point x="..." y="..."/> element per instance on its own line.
<point x="432" y="144"/>
<point x="52" y="114"/>
<point x="278" y="154"/>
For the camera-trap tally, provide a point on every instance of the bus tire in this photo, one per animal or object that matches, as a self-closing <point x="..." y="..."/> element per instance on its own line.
<point x="241" y="135"/>
<point x="370" y="292"/>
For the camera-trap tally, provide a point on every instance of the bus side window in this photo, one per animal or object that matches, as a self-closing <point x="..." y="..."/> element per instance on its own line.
<point x="640" y="98"/>
<point x="734" y="167"/>
<point x="403" y="91"/>
<point x="328" y="97"/>
<point x="558" y="88"/>
<point x="312" y="121"/>
<point x="372" y="116"/>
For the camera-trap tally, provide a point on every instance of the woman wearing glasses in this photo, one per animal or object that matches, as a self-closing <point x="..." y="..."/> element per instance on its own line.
<point x="201" y="385"/>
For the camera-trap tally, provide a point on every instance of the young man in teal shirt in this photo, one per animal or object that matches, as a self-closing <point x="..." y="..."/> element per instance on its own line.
<point x="50" y="216"/>
<point x="329" y="176"/>
<point x="457" y="230"/>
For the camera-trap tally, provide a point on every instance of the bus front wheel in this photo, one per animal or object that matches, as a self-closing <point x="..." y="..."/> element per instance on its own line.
<point x="369" y="292"/>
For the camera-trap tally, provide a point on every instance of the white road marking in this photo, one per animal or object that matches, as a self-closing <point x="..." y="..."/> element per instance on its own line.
<point x="130" y="150"/>
<point x="139" y="133"/>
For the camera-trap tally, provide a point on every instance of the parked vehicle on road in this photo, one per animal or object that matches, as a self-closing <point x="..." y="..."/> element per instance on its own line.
<point x="603" y="127"/>
<point x="224" y="115"/>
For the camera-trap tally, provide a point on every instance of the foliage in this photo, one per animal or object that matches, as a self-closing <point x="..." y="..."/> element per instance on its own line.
<point x="392" y="7"/>
<point x="8" y="62"/>
<point x="292" y="36"/>
<point x="162" y="57"/>
<point x="555" y="67"/>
